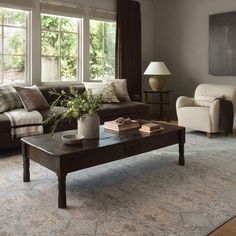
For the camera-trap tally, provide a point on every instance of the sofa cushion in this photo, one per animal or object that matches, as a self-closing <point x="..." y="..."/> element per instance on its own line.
<point x="51" y="111"/>
<point x="45" y="90"/>
<point x="62" y="127"/>
<point x="123" y="108"/>
<point x="5" y="124"/>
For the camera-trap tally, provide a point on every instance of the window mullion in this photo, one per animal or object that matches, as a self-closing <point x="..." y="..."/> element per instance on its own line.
<point x="27" y="63"/>
<point x="77" y="52"/>
<point x="3" y="57"/>
<point x="2" y="72"/>
<point x="103" y="47"/>
<point x="60" y="50"/>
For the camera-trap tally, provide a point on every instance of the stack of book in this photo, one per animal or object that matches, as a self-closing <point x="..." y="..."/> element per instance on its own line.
<point x="151" y="128"/>
<point x="115" y="126"/>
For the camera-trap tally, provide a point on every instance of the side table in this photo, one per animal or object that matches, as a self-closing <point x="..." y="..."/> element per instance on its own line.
<point x="163" y="101"/>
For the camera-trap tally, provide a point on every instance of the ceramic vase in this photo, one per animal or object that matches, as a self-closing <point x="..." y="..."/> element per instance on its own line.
<point x="88" y="126"/>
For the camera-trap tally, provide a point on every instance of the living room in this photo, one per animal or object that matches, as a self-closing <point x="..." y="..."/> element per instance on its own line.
<point x="66" y="60"/>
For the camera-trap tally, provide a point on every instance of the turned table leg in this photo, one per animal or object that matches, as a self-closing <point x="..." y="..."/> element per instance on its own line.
<point x="61" y="190"/>
<point x="181" y="154"/>
<point x="181" y="147"/>
<point x="26" y="172"/>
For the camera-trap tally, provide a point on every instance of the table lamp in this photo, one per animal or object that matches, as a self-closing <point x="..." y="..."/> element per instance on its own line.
<point x="157" y="70"/>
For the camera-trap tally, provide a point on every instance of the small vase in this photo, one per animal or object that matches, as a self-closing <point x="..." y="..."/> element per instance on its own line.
<point x="88" y="126"/>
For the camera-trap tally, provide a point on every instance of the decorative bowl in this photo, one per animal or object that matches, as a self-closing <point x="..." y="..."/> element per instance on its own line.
<point x="72" y="139"/>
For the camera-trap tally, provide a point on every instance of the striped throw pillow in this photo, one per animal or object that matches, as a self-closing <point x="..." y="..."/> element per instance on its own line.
<point x="9" y="99"/>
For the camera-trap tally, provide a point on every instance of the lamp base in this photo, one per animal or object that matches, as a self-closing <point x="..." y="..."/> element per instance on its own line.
<point x="157" y="83"/>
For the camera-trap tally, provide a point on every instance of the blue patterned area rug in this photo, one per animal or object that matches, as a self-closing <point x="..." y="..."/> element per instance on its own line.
<point x="148" y="194"/>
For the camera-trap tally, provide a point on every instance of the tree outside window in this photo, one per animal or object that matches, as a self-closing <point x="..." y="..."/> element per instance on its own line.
<point x="59" y="48"/>
<point x="102" y="49"/>
<point x="13" y="45"/>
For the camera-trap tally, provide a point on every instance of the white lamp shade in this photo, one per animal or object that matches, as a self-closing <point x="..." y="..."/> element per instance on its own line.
<point x="157" y="68"/>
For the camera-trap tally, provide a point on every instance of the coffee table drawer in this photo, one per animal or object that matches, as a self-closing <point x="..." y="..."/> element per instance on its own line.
<point x="132" y="148"/>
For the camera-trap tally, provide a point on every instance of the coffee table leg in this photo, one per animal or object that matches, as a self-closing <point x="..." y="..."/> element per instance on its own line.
<point x="62" y="191"/>
<point x="26" y="172"/>
<point x="181" y="154"/>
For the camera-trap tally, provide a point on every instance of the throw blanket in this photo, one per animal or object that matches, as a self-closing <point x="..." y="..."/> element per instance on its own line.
<point x="24" y="123"/>
<point x="226" y="116"/>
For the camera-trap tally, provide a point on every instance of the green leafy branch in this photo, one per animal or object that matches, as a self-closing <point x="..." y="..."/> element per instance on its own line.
<point x="76" y="104"/>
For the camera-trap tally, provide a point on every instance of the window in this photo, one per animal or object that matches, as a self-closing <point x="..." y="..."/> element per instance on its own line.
<point x="60" y="37"/>
<point x="13" y="45"/>
<point x="102" y="49"/>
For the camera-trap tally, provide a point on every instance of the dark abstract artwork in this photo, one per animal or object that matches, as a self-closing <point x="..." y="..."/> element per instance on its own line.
<point x="222" y="45"/>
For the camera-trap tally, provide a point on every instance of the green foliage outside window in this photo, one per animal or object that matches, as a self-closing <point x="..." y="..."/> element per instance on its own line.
<point x="59" y="42"/>
<point x="102" y="49"/>
<point x="59" y="45"/>
<point x="13" y="50"/>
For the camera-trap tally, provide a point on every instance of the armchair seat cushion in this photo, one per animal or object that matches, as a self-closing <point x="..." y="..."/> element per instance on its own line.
<point x="197" y="118"/>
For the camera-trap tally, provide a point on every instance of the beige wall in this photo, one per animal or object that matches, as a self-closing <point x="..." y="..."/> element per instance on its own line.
<point x="181" y="40"/>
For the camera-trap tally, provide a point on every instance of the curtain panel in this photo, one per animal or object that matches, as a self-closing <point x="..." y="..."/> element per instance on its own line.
<point x="128" y="45"/>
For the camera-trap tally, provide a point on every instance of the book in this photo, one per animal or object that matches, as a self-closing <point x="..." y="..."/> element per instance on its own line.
<point x="150" y="126"/>
<point x="151" y="131"/>
<point x="113" y="125"/>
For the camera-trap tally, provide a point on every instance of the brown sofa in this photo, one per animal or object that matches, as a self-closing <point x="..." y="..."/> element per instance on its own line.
<point x="134" y="110"/>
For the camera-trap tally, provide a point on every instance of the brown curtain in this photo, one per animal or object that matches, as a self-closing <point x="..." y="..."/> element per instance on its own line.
<point x="128" y="45"/>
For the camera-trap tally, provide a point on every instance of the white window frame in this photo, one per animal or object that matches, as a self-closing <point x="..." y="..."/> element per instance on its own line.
<point x="27" y="43"/>
<point x="79" y="50"/>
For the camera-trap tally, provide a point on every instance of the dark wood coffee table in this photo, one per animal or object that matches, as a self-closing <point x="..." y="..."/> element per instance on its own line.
<point x="51" y="153"/>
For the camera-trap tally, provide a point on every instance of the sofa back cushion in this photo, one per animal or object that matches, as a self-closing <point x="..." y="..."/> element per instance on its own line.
<point x="45" y="90"/>
<point x="9" y="98"/>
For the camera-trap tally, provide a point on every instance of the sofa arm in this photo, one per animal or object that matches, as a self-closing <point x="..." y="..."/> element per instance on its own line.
<point x="184" y="102"/>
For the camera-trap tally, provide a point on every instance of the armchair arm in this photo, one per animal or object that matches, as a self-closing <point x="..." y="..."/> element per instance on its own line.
<point x="184" y="102"/>
<point x="215" y="115"/>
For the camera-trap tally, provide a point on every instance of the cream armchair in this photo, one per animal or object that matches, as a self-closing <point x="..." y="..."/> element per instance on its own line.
<point x="202" y="111"/>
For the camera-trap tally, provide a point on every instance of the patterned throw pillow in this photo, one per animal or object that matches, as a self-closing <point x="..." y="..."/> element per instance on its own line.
<point x="107" y="90"/>
<point x="9" y="99"/>
<point x="32" y="98"/>
<point x="120" y="86"/>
